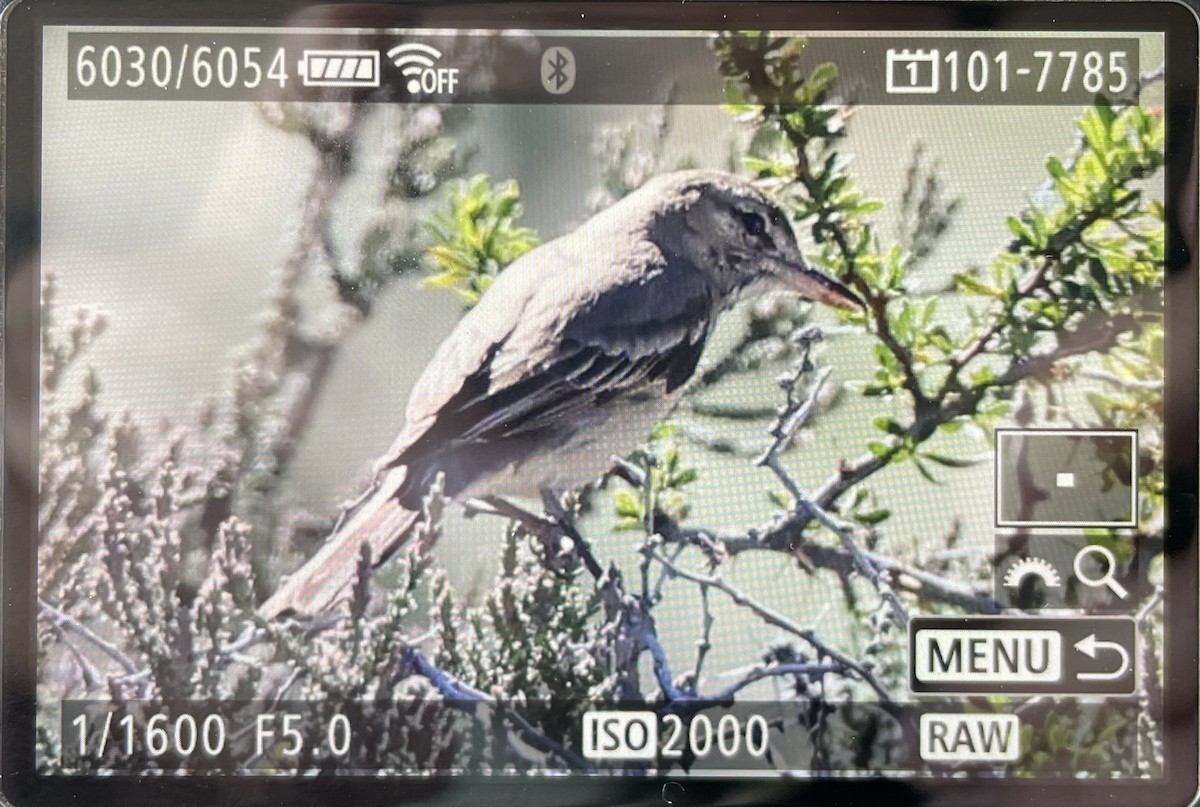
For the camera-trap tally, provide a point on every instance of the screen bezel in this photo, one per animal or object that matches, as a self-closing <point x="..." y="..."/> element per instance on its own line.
<point x="23" y="20"/>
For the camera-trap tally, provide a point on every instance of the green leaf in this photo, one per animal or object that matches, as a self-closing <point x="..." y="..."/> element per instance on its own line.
<point x="873" y="517"/>
<point x="779" y="500"/>
<point x="684" y="477"/>
<point x="1021" y="230"/>
<point x="766" y="168"/>
<point x="867" y="207"/>
<point x="1095" y="131"/>
<point x="950" y="462"/>
<point x="822" y="77"/>
<point x="971" y="284"/>
<point x="1055" y="168"/>
<point x="925" y="472"/>
<point x="627" y="503"/>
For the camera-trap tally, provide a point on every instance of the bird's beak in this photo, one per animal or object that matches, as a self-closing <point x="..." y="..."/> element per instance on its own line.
<point x="819" y="287"/>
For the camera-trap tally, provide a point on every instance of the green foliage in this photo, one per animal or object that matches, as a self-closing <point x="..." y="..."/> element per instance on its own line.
<point x="669" y="478"/>
<point x="477" y="237"/>
<point x="1083" y="277"/>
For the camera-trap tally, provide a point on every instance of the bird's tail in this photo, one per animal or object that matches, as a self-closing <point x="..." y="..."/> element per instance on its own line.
<point x="378" y="520"/>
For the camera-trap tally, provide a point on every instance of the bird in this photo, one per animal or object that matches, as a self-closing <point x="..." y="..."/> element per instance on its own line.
<point x="577" y="350"/>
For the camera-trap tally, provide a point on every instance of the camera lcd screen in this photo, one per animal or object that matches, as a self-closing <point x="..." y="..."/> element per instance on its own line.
<point x="524" y="396"/>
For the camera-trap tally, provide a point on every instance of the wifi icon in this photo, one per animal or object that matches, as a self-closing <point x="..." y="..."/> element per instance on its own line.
<point x="417" y="62"/>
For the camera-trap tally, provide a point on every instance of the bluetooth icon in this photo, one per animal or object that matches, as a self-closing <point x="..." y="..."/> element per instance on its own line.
<point x="558" y="70"/>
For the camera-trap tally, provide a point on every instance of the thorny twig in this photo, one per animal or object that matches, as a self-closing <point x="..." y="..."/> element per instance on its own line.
<point x="558" y="526"/>
<point x="784" y="535"/>
<point x="664" y="575"/>
<point x="773" y="617"/>
<point x="662" y="665"/>
<point x="791" y="417"/>
<point x="87" y="671"/>
<point x="913" y="579"/>
<point x="648" y="507"/>
<point x="789" y="420"/>
<point x="764" y="671"/>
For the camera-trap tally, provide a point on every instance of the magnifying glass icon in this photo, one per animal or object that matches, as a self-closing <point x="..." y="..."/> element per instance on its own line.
<point x="1106" y="578"/>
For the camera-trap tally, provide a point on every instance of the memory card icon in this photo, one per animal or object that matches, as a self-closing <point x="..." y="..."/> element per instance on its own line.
<point x="339" y="68"/>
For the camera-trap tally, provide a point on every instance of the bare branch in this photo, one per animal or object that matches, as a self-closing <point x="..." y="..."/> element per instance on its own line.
<point x="772" y="617"/>
<point x="907" y="577"/>
<point x="1124" y="383"/>
<point x="662" y="665"/>
<point x="704" y="643"/>
<point x="791" y="418"/>
<point x="70" y="624"/>
<point x="761" y="672"/>
<point x="559" y="526"/>
<point x="786" y="536"/>
<point x="462" y="696"/>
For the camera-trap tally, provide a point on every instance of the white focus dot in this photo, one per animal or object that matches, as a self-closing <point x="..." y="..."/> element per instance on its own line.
<point x="1065" y="480"/>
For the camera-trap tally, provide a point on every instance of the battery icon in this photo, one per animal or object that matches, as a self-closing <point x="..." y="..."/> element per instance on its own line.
<point x="339" y="68"/>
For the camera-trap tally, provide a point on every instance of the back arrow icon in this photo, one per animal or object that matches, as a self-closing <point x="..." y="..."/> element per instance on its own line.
<point x="1090" y="646"/>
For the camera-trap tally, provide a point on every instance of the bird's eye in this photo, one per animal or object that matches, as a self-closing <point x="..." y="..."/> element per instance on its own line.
<point x="753" y="223"/>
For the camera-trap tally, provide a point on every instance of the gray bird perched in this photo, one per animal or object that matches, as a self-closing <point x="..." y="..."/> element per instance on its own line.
<point x="574" y="354"/>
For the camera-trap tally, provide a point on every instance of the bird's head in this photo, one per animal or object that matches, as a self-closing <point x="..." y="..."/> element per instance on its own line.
<point x="729" y="228"/>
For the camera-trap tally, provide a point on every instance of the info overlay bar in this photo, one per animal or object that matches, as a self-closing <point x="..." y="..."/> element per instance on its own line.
<point x="507" y="67"/>
<point x="1086" y="655"/>
<point x="533" y="737"/>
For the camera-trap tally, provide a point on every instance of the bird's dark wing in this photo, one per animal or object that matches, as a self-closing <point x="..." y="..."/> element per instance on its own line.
<point x="642" y="337"/>
<point x="580" y="376"/>
<point x="583" y="376"/>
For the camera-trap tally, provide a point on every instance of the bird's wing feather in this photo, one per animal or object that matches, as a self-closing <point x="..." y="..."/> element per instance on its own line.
<point x="572" y="346"/>
<point x="583" y="376"/>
